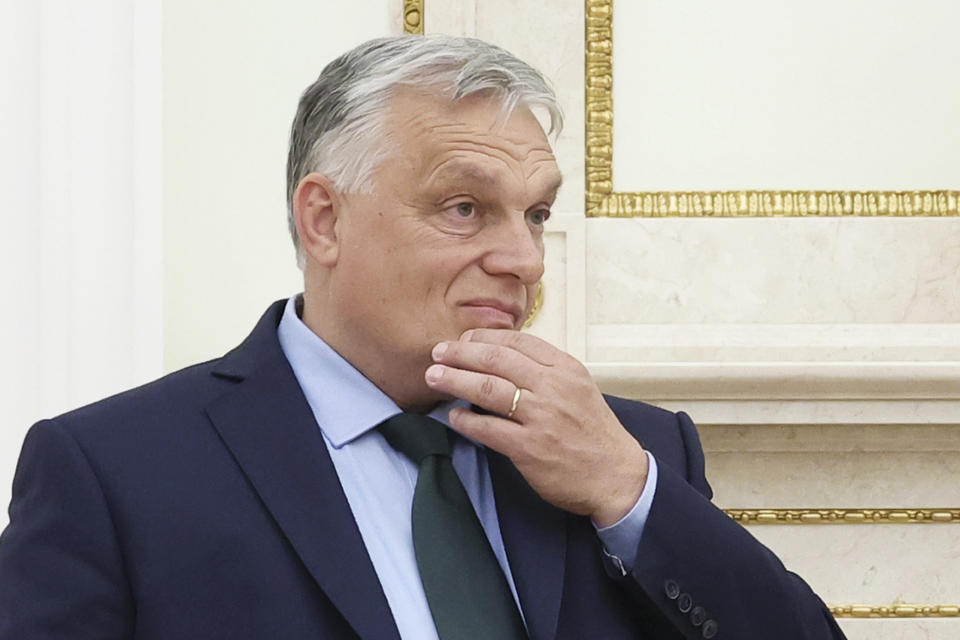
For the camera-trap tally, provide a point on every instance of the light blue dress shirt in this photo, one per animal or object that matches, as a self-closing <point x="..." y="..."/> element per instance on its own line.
<point x="379" y="482"/>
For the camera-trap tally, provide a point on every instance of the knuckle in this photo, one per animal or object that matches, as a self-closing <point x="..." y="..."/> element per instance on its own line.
<point x="585" y="385"/>
<point x="489" y="356"/>
<point x="486" y="387"/>
<point x="517" y="339"/>
<point x="575" y="365"/>
<point x="539" y="415"/>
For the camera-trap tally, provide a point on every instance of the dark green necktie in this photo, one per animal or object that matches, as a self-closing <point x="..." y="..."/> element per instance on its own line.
<point x="467" y="592"/>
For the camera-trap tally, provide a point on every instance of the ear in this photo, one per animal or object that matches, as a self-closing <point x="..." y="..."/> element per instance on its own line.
<point x="316" y="204"/>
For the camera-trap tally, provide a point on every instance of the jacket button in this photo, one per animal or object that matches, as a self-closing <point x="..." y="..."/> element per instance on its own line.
<point x="684" y="602"/>
<point x="710" y="628"/>
<point x="672" y="589"/>
<point x="697" y="616"/>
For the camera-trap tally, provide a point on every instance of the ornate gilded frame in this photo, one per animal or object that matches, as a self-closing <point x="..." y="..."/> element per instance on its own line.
<point x="602" y="201"/>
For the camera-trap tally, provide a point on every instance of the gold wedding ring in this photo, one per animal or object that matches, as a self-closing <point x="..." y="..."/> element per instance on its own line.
<point x="516" y="401"/>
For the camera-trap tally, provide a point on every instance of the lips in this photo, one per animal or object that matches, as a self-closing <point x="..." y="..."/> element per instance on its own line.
<point x="494" y="313"/>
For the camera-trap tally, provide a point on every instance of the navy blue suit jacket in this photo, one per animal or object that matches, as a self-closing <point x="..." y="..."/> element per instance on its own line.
<point x="204" y="505"/>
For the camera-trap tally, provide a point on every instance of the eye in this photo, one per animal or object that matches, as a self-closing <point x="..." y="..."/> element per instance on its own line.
<point x="462" y="215"/>
<point x="538" y="216"/>
<point x="465" y="209"/>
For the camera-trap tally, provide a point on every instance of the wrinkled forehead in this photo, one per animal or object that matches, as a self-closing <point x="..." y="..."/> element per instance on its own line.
<point x="419" y="123"/>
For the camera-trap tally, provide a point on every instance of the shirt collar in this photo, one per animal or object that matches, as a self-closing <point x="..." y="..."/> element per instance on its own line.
<point x="344" y="402"/>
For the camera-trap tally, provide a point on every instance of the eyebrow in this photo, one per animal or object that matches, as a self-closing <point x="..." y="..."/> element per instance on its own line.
<point x="554" y="186"/>
<point x="460" y="171"/>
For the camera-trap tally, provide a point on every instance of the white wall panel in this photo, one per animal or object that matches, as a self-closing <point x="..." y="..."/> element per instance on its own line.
<point x="80" y="199"/>
<point x="748" y="94"/>
<point x="233" y="74"/>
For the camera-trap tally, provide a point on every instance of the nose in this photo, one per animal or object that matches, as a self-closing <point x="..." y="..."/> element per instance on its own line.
<point x="517" y="250"/>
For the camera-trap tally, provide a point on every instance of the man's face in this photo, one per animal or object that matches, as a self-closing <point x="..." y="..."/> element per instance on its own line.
<point x="452" y="237"/>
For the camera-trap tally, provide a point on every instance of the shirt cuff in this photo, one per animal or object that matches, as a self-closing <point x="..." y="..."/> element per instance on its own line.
<point x="621" y="539"/>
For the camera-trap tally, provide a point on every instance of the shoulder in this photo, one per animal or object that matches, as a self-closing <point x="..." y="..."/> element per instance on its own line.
<point x="179" y="389"/>
<point x="155" y="415"/>
<point x="177" y="402"/>
<point x="652" y="425"/>
<point x="634" y="409"/>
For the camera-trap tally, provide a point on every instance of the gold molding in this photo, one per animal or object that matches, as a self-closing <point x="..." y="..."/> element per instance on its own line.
<point x="602" y="201"/>
<point x="598" y="87"/>
<point x="844" y="516"/>
<point x="755" y="204"/>
<point x="413" y="16"/>
<point x="535" y="309"/>
<point x="895" y="611"/>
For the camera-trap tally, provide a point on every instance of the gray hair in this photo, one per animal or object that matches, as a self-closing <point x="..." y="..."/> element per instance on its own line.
<point x="338" y="129"/>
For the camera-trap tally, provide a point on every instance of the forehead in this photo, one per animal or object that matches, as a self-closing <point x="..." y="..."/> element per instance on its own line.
<point x="436" y="135"/>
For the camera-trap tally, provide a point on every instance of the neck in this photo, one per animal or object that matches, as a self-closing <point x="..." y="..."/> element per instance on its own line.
<point x="398" y="375"/>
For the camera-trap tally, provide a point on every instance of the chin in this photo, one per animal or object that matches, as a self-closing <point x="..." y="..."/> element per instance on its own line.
<point x="424" y="403"/>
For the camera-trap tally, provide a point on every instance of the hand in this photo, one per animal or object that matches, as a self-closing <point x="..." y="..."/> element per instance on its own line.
<point x="562" y="437"/>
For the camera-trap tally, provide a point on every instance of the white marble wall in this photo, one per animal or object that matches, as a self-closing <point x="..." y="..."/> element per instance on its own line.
<point x="900" y="629"/>
<point x="844" y="466"/>
<point x="774" y="95"/>
<point x="776" y="271"/>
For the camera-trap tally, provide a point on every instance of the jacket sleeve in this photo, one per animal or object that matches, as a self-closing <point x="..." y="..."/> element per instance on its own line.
<point x="61" y="570"/>
<point x="706" y="575"/>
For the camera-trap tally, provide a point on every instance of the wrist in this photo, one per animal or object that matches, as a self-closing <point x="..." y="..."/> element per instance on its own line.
<point x="626" y="490"/>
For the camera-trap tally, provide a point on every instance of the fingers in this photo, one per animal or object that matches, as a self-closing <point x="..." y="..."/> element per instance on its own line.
<point x="531" y="346"/>
<point x="491" y="392"/>
<point x="490" y="431"/>
<point x="493" y="359"/>
<point x="487" y="366"/>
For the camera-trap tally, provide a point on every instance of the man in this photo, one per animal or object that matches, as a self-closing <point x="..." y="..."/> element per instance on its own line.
<point x="268" y="493"/>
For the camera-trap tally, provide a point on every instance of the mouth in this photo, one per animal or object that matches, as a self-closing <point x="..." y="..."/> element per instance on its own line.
<point x="490" y="313"/>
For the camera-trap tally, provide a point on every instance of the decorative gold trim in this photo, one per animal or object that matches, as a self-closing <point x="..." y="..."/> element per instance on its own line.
<point x="535" y="309"/>
<point x="845" y="516"/>
<point x="413" y="16"/>
<point x="895" y="611"/>
<point x="735" y="204"/>
<point x="599" y="103"/>
<point x="602" y="201"/>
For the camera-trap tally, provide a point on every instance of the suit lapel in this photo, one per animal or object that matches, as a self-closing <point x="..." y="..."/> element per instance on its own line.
<point x="269" y="428"/>
<point x="534" y="534"/>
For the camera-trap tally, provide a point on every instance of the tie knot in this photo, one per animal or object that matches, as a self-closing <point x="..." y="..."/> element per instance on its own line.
<point x="416" y="436"/>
